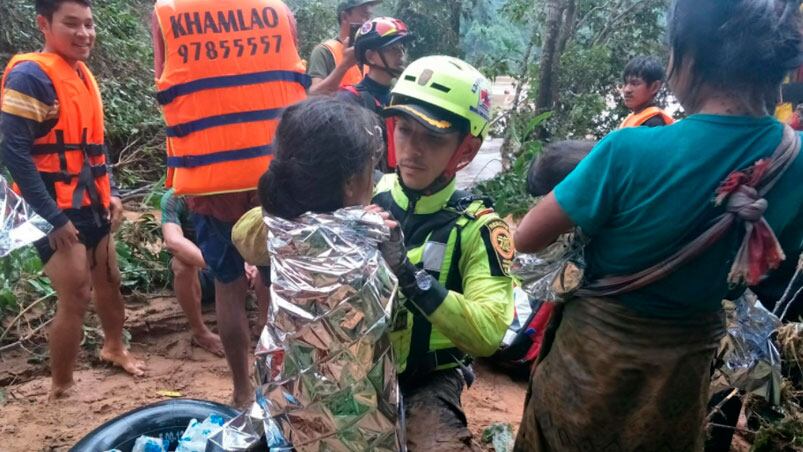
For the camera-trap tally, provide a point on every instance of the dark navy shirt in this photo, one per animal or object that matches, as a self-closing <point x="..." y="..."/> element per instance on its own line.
<point x="371" y="91"/>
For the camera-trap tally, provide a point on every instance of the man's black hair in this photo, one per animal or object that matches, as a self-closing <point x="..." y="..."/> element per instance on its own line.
<point x="320" y="144"/>
<point x="743" y="47"/>
<point x="48" y="7"/>
<point x="647" y="68"/>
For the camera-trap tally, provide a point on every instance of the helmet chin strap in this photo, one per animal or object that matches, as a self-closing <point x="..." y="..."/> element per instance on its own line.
<point x="395" y="73"/>
<point x="462" y="156"/>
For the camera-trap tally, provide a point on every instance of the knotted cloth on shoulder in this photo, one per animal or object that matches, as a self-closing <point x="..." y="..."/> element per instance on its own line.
<point x="742" y="193"/>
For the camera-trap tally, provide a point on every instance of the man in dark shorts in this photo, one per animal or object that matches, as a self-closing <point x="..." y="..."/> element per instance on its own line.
<point x="52" y="143"/>
<point x="192" y="282"/>
<point x="221" y="109"/>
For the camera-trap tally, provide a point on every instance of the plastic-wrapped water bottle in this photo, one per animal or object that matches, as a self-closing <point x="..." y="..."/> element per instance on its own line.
<point x="197" y="433"/>
<point x="150" y="444"/>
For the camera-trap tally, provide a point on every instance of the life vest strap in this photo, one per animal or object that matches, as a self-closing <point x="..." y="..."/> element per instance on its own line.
<point x="184" y="129"/>
<point x="168" y="95"/>
<point x="93" y="150"/>
<point x="194" y="161"/>
<point x="86" y="182"/>
<point x="96" y="171"/>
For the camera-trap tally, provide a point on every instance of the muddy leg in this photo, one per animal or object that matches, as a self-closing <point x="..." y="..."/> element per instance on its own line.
<point x="435" y="418"/>
<point x="188" y="293"/>
<point x="233" y="325"/>
<point x="69" y="274"/>
<point x="111" y="308"/>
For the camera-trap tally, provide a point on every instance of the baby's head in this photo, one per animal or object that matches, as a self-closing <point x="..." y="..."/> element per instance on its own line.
<point x="554" y="163"/>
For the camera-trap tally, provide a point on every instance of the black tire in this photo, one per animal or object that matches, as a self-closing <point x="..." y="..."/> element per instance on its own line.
<point x="169" y="418"/>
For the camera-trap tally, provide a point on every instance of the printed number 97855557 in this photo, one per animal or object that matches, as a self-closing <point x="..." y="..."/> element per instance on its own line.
<point x="212" y="50"/>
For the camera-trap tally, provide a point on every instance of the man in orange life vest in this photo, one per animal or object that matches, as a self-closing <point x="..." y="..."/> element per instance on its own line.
<point x="332" y="64"/>
<point x="643" y="78"/>
<point x="52" y="142"/>
<point x="225" y="70"/>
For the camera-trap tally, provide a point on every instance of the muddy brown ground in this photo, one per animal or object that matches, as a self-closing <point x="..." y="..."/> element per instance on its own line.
<point x="29" y="422"/>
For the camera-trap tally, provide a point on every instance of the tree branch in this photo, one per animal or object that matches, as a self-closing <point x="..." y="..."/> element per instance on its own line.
<point x="615" y="21"/>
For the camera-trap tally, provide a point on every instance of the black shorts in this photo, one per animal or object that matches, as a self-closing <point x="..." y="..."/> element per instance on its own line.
<point x="92" y="229"/>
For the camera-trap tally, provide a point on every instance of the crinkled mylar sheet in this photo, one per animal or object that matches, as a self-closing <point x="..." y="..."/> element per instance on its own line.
<point x="748" y="357"/>
<point x="538" y="271"/>
<point x="19" y="224"/>
<point x="326" y="377"/>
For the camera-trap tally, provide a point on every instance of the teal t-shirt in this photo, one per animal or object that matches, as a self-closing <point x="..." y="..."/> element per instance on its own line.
<point x="175" y="211"/>
<point x="644" y="192"/>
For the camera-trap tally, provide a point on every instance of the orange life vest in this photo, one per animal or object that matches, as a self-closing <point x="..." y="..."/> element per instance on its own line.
<point x="390" y="123"/>
<point x="637" y="119"/>
<point x="354" y="75"/>
<point x="231" y="67"/>
<point x="71" y="158"/>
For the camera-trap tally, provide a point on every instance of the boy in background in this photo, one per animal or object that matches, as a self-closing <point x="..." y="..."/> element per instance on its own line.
<point x="643" y="78"/>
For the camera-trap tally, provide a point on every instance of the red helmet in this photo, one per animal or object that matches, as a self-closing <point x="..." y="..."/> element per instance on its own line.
<point x="377" y="34"/>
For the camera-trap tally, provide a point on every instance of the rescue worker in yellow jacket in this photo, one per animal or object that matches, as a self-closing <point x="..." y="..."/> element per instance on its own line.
<point x="643" y="78"/>
<point x="333" y="64"/>
<point x="52" y="142"/>
<point x="449" y="249"/>
<point x="225" y="71"/>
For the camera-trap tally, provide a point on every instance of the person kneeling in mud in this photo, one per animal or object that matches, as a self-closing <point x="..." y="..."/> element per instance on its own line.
<point x="192" y="280"/>
<point x="448" y="248"/>
<point x="435" y="327"/>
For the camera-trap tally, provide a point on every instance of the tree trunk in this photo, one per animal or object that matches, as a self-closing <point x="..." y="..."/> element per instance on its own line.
<point x="507" y="151"/>
<point x="568" y="17"/>
<point x="549" y="56"/>
<point x="455" y="12"/>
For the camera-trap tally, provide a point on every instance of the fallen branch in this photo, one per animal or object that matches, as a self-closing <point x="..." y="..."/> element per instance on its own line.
<point x="26" y="338"/>
<point x="718" y="407"/>
<point x="784" y="298"/>
<point x="137" y="192"/>
<point x="19" y="316"/>
<point x="732" y="427"/>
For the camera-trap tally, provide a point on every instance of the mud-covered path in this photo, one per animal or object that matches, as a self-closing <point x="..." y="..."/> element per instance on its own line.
<point x="160" y="335"/>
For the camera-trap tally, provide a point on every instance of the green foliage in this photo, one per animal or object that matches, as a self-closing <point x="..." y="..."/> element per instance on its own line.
<point x="143" y="267"/>
<point x="588" y="102"/>
<point x="508" y="189"/>
<point x="123" y="63"/>
<point x="317" y="22"/>
<point x="143" y="261"/>
<point x="21" y="280"/>
<point x="781" y="435"/>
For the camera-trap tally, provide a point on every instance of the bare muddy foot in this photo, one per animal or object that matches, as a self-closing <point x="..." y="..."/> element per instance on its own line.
<point x="123" y="359"/>
<point x="58" y="391"/>
<point x="243" y="401"/>
<point x="209" y="342"/>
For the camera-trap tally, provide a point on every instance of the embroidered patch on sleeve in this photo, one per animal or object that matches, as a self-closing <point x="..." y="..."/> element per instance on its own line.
<point x="502" y="243"/>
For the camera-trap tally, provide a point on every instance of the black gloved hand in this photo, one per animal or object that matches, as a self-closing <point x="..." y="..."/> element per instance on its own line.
<point x="393" y="250"/>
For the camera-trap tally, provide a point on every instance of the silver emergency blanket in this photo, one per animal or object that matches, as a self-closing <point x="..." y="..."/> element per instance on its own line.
<point x="326" y="378"/>
<point x="19" y="224"/>
<point x="539" y="271"/>
<point x="749" y="358"/>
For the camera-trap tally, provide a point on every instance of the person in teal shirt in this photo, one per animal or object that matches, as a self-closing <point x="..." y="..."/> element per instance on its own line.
<point x="637" y="363"/>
